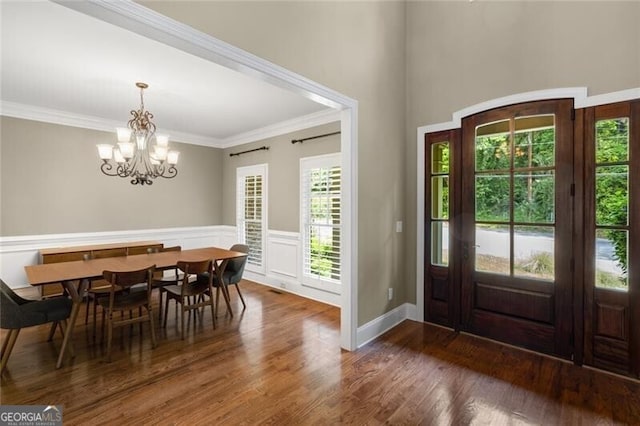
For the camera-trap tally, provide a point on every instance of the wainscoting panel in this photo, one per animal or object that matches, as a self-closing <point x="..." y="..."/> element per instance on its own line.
<point x="18" y="252"/>
<point x="283" y="253"/>
<point x="284" y="268"/>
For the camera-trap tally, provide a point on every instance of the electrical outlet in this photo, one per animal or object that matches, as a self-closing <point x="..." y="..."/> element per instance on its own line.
<point x="283" y="285"/>
<point x="390" y="293"/>
<point x="399" y="226"/>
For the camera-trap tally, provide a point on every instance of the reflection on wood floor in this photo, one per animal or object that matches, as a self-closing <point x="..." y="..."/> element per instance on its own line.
<point x="279" y="362"/>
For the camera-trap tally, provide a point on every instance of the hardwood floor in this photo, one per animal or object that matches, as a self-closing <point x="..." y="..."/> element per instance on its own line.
<point x="279" y="362"/>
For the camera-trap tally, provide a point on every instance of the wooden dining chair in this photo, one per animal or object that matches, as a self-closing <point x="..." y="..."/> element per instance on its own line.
<point x="187" y="293"/>
<point x="162" y="279"/>
<point x="17" y="313"/>
<point x="120" y="299"/>
<point x="99" y="288"/>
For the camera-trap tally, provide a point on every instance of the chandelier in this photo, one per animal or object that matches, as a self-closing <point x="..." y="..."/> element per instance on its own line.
<point x="133" y="157"/>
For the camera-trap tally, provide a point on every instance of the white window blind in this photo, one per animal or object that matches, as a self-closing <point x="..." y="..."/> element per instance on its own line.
<point x="320" y="221"/>
<point x="250" y="212"/>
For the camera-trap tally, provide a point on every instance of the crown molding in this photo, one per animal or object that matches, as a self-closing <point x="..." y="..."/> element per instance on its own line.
<point x="283" y="127"/>
<point x="65" y="118"/>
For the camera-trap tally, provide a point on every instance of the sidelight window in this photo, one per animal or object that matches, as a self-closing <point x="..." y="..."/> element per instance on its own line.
<point x="612" y="202"/>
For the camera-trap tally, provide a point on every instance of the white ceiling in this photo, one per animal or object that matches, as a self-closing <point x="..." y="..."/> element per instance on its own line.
<point x="57" y="59"/>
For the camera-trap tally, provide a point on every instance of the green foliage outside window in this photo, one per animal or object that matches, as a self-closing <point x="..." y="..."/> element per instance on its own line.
<point x="612" y="146"/>
<point x="534" y="180"/>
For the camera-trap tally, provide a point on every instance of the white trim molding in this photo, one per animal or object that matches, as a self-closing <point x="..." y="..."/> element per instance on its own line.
<point x="306" y="121"/>
<point x="580" y="100"/>
<point x="20" y="251"/>
<point x="384" y="323"/>
<point x="64" y="118"/>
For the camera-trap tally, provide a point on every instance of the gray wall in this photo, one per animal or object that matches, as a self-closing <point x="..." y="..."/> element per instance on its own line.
<point x="460" y="54"/>
<point x="50" y="182"/>
<point x="358" y="49"/>
<point x="283" y="159"/>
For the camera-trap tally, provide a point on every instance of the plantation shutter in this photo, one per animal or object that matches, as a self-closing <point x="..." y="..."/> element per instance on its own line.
<point x="250" y="211"/>
<point x="320" y="211"/>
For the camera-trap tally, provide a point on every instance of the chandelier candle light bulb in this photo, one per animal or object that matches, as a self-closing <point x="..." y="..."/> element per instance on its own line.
<point x="134" y="155"/>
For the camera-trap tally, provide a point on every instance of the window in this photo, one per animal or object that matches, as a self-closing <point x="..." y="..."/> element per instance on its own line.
<point x="440" y="203"/>
<point x="320" y="221"/>
<point x="612" y="203"/>
<point x="515" y="187"/>
<point x="251" y="184"/>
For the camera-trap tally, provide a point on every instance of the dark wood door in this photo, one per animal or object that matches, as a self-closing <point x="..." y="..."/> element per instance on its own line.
<point x="612" y="237"/>
<point x="516" y="226"/>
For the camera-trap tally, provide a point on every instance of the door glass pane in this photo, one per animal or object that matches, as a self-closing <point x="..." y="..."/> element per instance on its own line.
<point x="534" y="197"/>
<point x="533" y="250"/>
<point x="440" y="243"/>
<point x="612" y="197"/>
<point x="534" y="141"/>
<point x="440" y="197"/>
<point x="611" y="259"/>
<point x="440" y="158"/>
<point x="493" y="146"/>
<point x="492" y="197"/>
<point x="492" y="249"/>
<point x="612" y="140"/>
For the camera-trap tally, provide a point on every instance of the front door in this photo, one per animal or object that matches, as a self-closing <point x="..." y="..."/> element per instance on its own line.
<point x="516" y="225"/>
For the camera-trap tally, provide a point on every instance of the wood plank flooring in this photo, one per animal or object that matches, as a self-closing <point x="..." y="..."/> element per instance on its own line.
<point x="279" y="362"/>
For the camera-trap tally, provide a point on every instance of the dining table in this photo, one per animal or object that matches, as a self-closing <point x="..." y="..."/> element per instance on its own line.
<point x="76" y="275"/>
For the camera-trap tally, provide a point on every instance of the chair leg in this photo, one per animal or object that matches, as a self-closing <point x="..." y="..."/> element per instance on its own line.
<point x="104" y="314"/>
<point x="63" y="328"/>
<point x="5" y="343"/>
<point x="244" y="305"/>
<point x="217" y="299"/>
<point x="7" y="347"/>
<point x="182" y="322"/>
<point x="166" y="311"/>
<point x="95" y="314"/>
<point x="109" y="335"/>
<point x="86" y="311"/>
<point x="153" y="330"/>
<point x="160" y="307"/>
<point x="52" y="331"/>
<point x="213" y="311"/>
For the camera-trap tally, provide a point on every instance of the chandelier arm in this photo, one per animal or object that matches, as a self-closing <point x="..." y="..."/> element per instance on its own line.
<point x="106" y="168"/>
<point x="169" y="173"/>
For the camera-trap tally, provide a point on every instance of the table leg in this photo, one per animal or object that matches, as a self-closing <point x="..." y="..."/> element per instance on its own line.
<point x="76" y="296"/>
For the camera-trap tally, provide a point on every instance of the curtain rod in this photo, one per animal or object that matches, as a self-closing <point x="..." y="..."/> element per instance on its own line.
<point x="314" y="137"/>
<point x="262" y="148"/>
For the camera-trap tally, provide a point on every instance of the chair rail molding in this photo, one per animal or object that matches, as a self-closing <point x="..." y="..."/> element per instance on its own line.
<point x="20" y="251"/>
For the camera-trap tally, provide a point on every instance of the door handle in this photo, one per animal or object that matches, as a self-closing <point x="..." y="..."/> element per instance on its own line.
<point x="465" y="250"/>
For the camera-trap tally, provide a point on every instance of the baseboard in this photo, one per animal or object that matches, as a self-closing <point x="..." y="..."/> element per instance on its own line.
<point x="384" y="323"/>
<point x="293" y="287"/>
